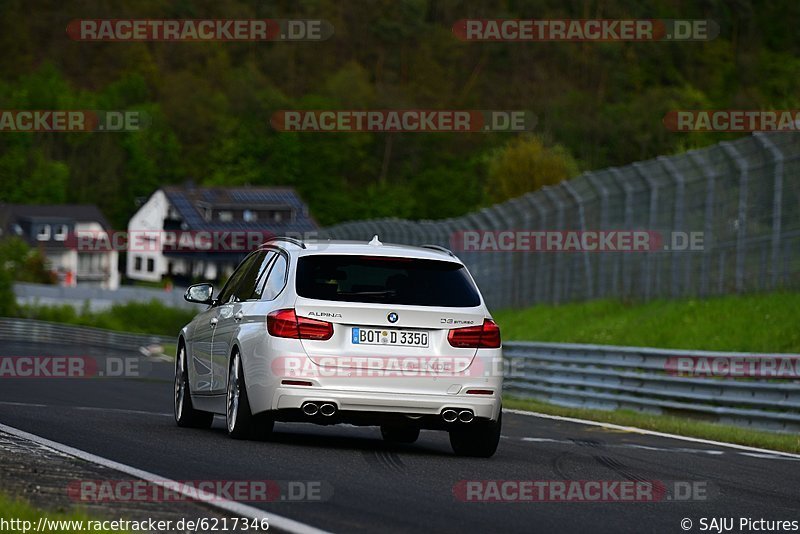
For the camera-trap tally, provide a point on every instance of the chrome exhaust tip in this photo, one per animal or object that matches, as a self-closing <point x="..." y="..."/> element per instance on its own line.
<point x="310" y="408"/>
<point x="327" y="409"/>
<point x="449" y="415"/>
<point x="466" y="416"/>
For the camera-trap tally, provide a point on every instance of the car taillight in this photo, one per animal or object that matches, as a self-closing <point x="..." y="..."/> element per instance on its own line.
<point x="486" y="336"/>
<point x="286" y="323"/>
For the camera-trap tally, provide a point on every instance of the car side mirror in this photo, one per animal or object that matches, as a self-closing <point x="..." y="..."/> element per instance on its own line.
<point x="199" y="293"/>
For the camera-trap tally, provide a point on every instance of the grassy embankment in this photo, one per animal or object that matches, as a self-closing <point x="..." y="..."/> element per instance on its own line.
<point x="752" y="323"/>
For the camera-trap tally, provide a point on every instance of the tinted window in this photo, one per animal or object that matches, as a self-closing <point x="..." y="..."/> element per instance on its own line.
<point x="228" y="292"/>
<point x="385" y="280"/>
<point x="248" y="285"/>
<point x="277" y="278"/>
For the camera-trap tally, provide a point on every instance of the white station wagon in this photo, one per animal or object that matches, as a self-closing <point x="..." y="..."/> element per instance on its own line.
<point x="331" y="332"/>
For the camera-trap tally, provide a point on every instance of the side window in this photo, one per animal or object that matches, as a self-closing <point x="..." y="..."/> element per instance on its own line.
<point x="250" y="284"/>
<point x="276" y="279"/>
<point x="228" y="292"/>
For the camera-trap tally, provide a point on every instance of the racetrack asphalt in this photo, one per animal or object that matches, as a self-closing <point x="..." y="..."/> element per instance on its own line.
<point x="371" y="485"/>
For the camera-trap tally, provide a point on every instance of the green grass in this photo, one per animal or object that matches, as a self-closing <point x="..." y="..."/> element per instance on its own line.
<point x="669" y="424"/>
<point x="11" y="508"/>
<point x="138" y="317"/>
<point x="748" y="323"/>
<point x="170" y="349"/>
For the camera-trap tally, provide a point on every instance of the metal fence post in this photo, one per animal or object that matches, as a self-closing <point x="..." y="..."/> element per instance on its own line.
<point x="522" y="257"/>
<point x="589" y="293"/>
<point x="652" y="221"/>
<point x="777" y="204"/>
<point x="497" y="214"/>
<point x="557" y="270"/>
<point x="602" y="192"/>
<point x="741" y="164"/>
<point x="541" y="270"/>
<point x="626" y="264"/>
<point x="677" y="224"/>
<point x="708" y="226"/>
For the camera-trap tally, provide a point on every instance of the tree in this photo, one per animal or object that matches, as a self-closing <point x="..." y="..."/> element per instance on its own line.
<point x="18" y="262"/>
<point x="526" y="164"/>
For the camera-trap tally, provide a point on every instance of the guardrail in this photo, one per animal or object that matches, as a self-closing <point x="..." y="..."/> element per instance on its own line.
<point x="611" y="377"/>
<point x="588" y="376"/>
<point x="16" y="329"/>
<point x="98" y="299"/>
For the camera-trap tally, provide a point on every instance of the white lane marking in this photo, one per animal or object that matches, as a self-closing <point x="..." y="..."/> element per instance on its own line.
<point x="28" y="404"/>
<point x="623" y="446"/>
<point x="768" y="456"/>
<point x="653" y="433"/>
<point x="678" y="449"/>
<point x="88" y="408"/>
<point x="545" y="440"/>
<point x="235" y="508"/>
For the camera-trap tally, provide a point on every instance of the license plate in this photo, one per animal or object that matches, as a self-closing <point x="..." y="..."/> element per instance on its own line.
<point x="396" y="338"/>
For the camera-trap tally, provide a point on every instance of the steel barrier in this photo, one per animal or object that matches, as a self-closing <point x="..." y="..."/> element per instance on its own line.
<point x="589" y="376"/>
<point x="645" y="379"/>
<point x="30" y="330"/>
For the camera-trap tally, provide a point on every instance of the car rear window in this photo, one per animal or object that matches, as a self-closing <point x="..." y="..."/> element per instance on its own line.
<point x="386" y="280"/>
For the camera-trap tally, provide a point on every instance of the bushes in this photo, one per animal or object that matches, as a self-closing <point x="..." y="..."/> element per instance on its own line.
<point x="141" y="317"/>
<point x="8" y="303"/>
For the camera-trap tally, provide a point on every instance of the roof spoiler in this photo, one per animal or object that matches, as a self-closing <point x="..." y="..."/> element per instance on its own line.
<point x="291" y="240"/>
<point x="440" y="249"/>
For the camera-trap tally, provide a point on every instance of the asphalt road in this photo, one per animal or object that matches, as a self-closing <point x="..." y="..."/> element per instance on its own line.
<point x="402" y="488"/>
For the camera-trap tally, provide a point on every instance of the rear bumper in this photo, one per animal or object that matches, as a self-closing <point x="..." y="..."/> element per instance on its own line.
<point x="483" y="406"/>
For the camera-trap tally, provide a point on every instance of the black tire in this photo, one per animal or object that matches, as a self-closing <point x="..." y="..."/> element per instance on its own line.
<point x="400" y="433"/>
<point x="478" y="439"/>
<point x="239" y="420"/>
<point x="185" y="414"/>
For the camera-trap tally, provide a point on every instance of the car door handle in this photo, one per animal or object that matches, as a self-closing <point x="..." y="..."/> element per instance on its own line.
<point x="214" y="321"/>
<point x="238" y="316"/>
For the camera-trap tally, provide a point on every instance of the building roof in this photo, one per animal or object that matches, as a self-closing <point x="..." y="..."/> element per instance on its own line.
<point x="187" y="200"/>
<point x="52" y="212"/>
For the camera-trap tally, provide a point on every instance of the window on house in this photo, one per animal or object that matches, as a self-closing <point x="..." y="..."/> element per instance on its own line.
<point x="61" y="232"/>
<point x="44" y="233"/>
<point x="280" y="215"/>
<point x="137" y="263"/>
<point x="151" y="265"/>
